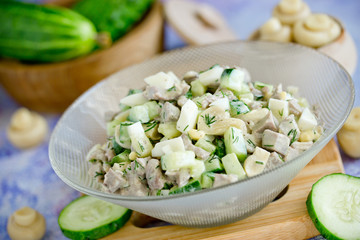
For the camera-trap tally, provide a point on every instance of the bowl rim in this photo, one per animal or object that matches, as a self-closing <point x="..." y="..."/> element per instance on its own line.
<point x="325" y="138"/>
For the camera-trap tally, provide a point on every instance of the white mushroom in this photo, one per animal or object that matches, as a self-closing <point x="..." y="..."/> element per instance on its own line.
<point x="27" y="129"/>
<point x="290" y="11"/>
<point x="274" y="31"/>
<point x="316" y="30"/>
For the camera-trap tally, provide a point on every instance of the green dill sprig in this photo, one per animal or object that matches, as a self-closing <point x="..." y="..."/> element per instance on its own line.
<point x="141" y="147"/>
<point x="151" y="125"/>
<point x="99" y="174"/>
<point x="259" y="162"/>
<point x="268" y="145"/>
<point x="173" y="88"/>
<point x="251" y="143"/>
<point x="208" y="119"/>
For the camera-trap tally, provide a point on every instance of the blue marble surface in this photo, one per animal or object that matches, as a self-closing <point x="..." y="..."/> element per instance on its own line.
<point x="26" y="177"/>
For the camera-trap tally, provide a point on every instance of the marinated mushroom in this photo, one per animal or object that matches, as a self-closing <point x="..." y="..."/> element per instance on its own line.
<point x="274" y="31"/>
<point x="26" y="224"/>
<point x="316" y="30"/>
<point x="27" y="129"/>
<point x="349" y="134"/>
<point x="290" y="11"/>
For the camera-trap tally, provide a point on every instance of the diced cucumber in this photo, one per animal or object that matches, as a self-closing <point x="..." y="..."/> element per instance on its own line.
<point x="279" y="108"/>
<point x="260" y="85"/>
<point x="232" y="79"/>
<point x="307" y="120"/>
<point x="220" y="147"/>
<point x="91" y="218"/>
<point x="153" y="109"/>
<point x="233" y="166"/>
<point x="122" y="157"/>
<point x="151" y="130"/>
<point x="206" y="145"/>
<point x="334" y="206"/>
<point x="214" y="165"/>
<point x="235" y="143"/>
<point x="122" y="135"/>
<point x="169" y="130"/>
<point x="110" y="126"/>
<point x="139" y="113"/>
<point x="122" y="116"/>
<point x="197" y="89"/>
<point x="190" y="187"/>
<point x="207" y="179"/>
<point x="160" y="80"/>
<point x="188" y="117"/>
<point x="163" y="192"/>
<point x="197" y="168"/>
<point x="134" y="100"/>
<point x="116" y="147"/>
<point x="238" y="107"/>
<point x="212" y="76"/>
<point x="246" y="96"/>
<point x="139" y="141"/>
<point x="177" y="160"/>
<point x="172" y="145"/>
<point x="222" y="103"/>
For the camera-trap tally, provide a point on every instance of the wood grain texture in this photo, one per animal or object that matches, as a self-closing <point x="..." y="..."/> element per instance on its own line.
<point x="285" y="218"/>
<point x="54" y="86"/>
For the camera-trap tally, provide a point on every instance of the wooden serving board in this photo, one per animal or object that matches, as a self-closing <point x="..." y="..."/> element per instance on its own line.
<point x="285" y="218"/>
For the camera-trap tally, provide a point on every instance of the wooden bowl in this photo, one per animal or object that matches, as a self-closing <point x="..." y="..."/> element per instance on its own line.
<point x="52" y="87"/>
<point x="342" y="49"/>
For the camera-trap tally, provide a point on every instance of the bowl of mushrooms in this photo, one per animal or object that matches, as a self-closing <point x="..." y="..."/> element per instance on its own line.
<point x="293" y="21"/>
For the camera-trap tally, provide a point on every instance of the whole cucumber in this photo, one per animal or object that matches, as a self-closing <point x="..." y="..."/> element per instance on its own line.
<point x="39" y="33"/>
<point x="115" y="17"/>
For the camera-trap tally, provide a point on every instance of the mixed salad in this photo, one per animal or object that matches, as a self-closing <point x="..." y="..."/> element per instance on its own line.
<point x="205" y="130"/>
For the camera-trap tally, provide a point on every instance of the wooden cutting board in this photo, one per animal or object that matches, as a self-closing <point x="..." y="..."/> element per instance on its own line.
<point x="285" y="218"/>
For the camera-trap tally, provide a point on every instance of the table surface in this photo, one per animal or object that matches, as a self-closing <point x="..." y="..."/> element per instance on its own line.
<point x="26" y="177"/>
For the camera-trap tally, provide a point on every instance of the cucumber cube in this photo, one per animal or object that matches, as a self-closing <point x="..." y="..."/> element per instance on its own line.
<point x="204" y="144"/>
<point x="214" y="165"/>
<point x="233" y="166"/>
<point x="232" y="79"/>
<point x="197" y="89"/>
<point x="190" y="187"/>
<point x="238" y="107"/>
<point x="207" y="179"/>
<point x="169" y="130"/>
<point x="153" y="109"/>
<point x="235" y="143"/>
<point x="139" y="113"/>
<point x="176" y="160"/>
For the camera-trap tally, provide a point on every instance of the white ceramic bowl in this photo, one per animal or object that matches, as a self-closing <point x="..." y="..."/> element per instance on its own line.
<point x="320" y="79"/>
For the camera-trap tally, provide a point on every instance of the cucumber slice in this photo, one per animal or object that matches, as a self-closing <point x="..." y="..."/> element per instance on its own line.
<point x="238" y="107"/>
<point x="232" y="79"/>
<point x="190" y="187"/>
<point x="204" y="144"/>
<point x="235" y="143"/>
<point x="334" y="206"/>
<point x="233" y="166"/>
<point x="91" y="218"/>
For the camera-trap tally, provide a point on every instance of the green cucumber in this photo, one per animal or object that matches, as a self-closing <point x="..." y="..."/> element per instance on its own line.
<point x="232" y="79"/>
<point x="38" y="33"/>
<point x="233" y="166"/>
<point x="190" y="187"/>
<point x="139" y="113"/>
<point x="91" y="218"/>
<point x="238" y="107"/>
<point x="214" y="164"/>
<point x="122" y="157"/>
<point x="116" y="147"/>
<point x="197" y="89"/>
<point x="334" y="206"/>
<point x="116" y="17"/>
<point x="235" y="143"/>
<point x="207" y="179"/>
<point x="206" y="145"/>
